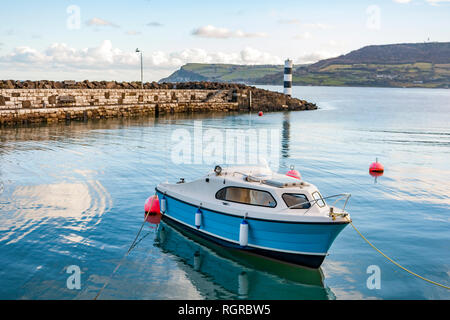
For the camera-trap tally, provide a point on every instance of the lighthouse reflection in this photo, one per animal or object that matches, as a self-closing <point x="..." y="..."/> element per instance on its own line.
<point x="222" y="273"/>
<point x="286" y="135"/>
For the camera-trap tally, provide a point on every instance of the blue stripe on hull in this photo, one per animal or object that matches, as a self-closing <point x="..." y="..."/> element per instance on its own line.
<point x="310" y="261"/>
<point x="300" y="243"/>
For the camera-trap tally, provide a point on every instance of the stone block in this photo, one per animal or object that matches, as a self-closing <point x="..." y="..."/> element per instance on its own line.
<point x="66" y="99"/>
<point x="26" y="104"/>
<point x="52" y="99"/>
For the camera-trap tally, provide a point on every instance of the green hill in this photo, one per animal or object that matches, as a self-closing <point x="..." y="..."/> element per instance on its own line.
<point x="222" y="72"/>
<point x="395" y="65"/>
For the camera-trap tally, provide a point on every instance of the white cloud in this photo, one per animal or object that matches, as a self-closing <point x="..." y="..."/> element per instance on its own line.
<point x="254" y="56"/>
<point x="210" y="31"/>
<point x="133" y="33"/>
<point x="336" y="43"/>
<point x="100" y="23"/>
<point x="314" y="57"/>
<point x="105" y="61"/>
<point x="154" y="24"/>
<point x="436" y="2"/>
<point x="303" y="36"/>
<point x="402" y="1"/>
<point x="25" y="55"/>
<point x="289" y="21"/>
<point x="321" y="26"/>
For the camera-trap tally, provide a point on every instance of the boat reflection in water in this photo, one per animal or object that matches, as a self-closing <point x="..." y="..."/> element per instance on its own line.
<point x="224" y="273"/>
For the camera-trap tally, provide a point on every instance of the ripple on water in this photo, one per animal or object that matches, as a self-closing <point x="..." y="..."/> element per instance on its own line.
<point x="80" y="204"/>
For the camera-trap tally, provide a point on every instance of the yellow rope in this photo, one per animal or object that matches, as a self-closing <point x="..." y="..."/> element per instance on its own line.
<point x="397" y="264"/>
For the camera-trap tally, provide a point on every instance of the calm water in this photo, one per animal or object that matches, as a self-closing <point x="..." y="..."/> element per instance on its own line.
<point x="73" y="194"/>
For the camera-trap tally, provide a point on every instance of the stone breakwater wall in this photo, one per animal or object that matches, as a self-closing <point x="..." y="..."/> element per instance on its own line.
<point x="36" y="105"/>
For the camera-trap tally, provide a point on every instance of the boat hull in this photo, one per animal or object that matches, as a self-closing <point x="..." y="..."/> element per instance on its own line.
<point x="301" y="243"/>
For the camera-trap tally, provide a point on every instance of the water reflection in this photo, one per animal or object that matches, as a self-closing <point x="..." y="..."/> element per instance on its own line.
<point x="375" y="175"/>
<point x="80" y="130"/>
<point x="220" y="273"/>
<point x="286" y="135"/>
<point x="80" y="204"/>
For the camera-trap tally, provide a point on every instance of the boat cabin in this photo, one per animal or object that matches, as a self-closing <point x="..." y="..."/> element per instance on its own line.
<point x="259" y="189"/>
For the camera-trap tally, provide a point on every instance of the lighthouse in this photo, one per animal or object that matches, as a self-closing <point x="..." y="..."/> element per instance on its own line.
<point x="288" y="77"/>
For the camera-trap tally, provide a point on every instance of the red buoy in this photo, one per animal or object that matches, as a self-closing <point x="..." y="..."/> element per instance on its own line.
<point x="376" y="167"/>
<point x="152" y="205"/>
<point x="260" y="113"/>
<point x="294" y="173"/>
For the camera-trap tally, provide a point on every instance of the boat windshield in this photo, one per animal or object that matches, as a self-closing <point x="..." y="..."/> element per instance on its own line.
<point x="296" y="200"/>
<point x="319" y="200"/>
<point x="247" y="196"/>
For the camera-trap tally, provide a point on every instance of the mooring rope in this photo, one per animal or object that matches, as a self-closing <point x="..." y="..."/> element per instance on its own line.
<point x="133" y="245"/>
<point x="145" y="236"/>
<point x="394" y="262"/>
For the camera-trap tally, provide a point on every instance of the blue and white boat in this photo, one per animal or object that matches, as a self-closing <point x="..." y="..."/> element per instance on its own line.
<point x="256" y="210"/>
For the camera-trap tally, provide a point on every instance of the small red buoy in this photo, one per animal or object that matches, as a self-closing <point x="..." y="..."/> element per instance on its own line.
<point x="152" y="205"/>
<point x="260" y="113"/>
<point x="376" y="167"/>
<point x="294" y="173"/>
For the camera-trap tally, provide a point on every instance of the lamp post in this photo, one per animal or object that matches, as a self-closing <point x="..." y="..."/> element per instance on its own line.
<point x="142" y="69"/>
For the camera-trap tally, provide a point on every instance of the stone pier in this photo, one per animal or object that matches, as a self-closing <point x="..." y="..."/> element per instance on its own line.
<point x="37" y="105"/>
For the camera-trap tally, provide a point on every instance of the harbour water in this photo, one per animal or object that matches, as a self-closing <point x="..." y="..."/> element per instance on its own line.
<point x="73" y="194"/>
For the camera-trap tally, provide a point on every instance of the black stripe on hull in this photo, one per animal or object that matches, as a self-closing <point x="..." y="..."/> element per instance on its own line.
<point x="305" y="260"/>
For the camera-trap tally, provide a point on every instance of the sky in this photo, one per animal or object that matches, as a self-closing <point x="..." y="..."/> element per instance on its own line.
<point x="97" y="40"/>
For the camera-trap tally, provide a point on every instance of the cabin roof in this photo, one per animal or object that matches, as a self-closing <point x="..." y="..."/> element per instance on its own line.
<point x="260" y="176"/>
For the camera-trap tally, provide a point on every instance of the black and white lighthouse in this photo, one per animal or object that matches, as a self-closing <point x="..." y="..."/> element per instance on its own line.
<point x="288" y="77"/>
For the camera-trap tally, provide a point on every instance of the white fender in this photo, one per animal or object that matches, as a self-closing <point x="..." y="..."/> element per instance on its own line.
<point x="243" y="233"/>
<point x="198" y="218"/>
<point x="163" y="204"/>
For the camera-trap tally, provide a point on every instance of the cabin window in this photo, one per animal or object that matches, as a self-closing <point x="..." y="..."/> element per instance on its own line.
<point x="319" y="200"/>
<point x="299" y="201"/>
<point x="247" y="196"/>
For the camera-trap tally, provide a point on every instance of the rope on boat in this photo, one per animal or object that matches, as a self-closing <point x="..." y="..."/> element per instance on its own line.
<point x="133" y="245"/>
<point x="396" y="263"/>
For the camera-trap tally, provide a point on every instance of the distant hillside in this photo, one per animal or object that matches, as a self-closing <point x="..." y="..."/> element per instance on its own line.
<point x="222" y="72"/>
<point x="395" y="65"/>
<point x="432" y="52"/>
